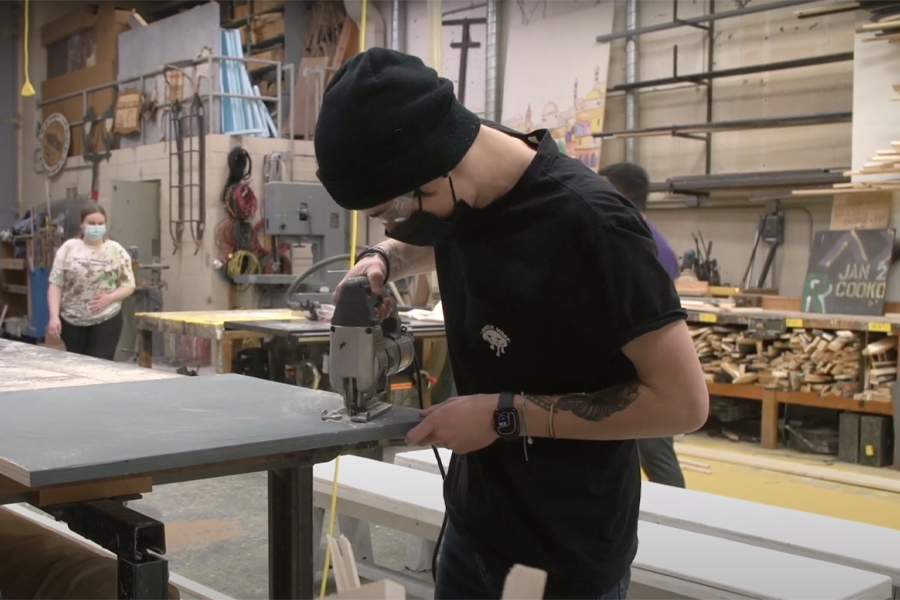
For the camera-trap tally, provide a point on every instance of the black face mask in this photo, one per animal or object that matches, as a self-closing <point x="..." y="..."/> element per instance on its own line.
<point x="427" y="229"/>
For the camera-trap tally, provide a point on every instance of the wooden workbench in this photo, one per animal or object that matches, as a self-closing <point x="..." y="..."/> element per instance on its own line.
<point x="206" y="325"/>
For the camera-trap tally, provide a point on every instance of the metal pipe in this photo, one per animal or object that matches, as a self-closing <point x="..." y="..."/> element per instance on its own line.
<point x="728" y="14"/>
<point x="631" y="68"/>
<point x="710" y="64"/>
<point x="490" y="83"/>
<point x="737" y="125"/>
<point x="396" y="24"/>
<point x="697" y="78"/>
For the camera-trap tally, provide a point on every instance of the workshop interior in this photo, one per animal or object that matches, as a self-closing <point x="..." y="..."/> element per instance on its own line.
<point x="770" y="132"/>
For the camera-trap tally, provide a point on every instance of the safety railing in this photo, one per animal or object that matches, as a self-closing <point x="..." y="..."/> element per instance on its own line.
<point x="212" y="95"/>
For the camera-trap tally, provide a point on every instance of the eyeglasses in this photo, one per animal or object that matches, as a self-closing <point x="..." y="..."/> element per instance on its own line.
<point x="398" y="211"/>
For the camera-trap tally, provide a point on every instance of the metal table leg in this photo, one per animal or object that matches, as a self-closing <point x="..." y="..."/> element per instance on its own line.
<point x="291" y="552"/>
<point x="136" y="540"/>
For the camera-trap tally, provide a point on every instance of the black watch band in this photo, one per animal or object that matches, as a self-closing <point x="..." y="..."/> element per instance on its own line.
<point x="376" y="251"/>
<point x="506" y="417"/>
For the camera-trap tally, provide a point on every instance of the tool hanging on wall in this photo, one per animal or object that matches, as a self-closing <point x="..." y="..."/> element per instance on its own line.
<point x="705" y="268"/>
<point x="187" y="120"/>
<point x="90" y="141"/>
<point x="770" y="230"/>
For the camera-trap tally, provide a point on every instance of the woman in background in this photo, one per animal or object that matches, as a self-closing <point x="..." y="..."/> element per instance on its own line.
<point x="91" y="276"/>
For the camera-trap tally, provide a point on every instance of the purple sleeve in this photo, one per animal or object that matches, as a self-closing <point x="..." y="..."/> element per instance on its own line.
<point x="666" y="254"/>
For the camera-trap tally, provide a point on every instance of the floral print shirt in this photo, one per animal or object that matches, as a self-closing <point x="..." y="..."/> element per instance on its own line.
<point x="84" y="272"/>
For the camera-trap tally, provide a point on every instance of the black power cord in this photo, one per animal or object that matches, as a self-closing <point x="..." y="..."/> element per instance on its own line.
<point x="437" y="455"/>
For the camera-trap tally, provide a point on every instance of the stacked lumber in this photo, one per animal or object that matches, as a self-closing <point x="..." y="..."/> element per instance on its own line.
<point x="881" y="370"/>
<point x="885" y="26"/>
<point x="802" y="360"/>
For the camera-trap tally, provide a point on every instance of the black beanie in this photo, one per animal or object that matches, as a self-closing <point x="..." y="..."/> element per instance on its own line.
<point x="388" y="125"/>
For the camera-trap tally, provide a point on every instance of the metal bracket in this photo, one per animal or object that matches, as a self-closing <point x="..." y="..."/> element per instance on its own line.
<point x="762" y="328"/>
<point x="135" y="539"/>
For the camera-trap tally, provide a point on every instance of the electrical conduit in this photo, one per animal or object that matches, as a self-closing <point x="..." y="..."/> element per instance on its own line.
<point x="354" y="234"/>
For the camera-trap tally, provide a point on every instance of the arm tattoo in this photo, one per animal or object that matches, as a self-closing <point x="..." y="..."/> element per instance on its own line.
<point x="394" y="262"/>
<point x="406" y="260"/>
<point x="596" y="406"/>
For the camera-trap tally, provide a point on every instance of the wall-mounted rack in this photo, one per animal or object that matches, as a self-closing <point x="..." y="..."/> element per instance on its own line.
<point x="703" y="131"/>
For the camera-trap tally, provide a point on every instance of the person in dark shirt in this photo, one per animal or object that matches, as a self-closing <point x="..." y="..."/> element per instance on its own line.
<point x="658" y="458"/>
<point x="565" y="335"/>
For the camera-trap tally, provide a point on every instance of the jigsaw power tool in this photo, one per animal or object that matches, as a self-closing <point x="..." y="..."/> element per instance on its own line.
<point x="365" y="352"/>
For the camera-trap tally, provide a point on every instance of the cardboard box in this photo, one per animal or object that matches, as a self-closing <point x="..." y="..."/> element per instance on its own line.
<point x="90" y="35"/>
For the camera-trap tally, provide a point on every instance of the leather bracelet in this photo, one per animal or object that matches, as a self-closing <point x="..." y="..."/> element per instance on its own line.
<point x="376" y="251"/>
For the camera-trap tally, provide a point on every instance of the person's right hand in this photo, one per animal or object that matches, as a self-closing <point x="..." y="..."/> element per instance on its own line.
<point x="54" y="327"/>
<point x="373" y="268"/>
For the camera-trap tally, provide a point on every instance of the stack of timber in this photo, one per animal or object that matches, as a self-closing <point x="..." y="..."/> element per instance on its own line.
<point x="885" y="24"/>
<point x="823" y="362"/>
<point x="885" y="162"/>
<point x="881" y="369"/>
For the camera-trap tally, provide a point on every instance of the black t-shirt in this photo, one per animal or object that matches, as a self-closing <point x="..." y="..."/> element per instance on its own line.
<point x="540" y="290"/>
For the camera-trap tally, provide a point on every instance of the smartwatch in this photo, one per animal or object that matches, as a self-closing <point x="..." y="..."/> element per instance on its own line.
<point x="506" y="418"/>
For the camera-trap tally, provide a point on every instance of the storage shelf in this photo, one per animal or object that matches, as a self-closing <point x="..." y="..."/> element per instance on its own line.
<point x="12" y="264"/>
<point x="795" y="320"/>
<point x="758" y="392"/>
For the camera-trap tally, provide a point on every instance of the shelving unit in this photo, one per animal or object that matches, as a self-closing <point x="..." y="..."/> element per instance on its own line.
<point x="786" y="321"/>
<point x="25" y="264"/>
<point x="703" y="131"/>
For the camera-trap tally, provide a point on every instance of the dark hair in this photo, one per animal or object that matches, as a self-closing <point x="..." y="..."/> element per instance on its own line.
<point x="630" y="180"/>
<point x="91" y="209"/>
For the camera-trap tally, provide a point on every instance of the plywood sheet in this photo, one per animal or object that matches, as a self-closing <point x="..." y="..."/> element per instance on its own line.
<point x="91" y="432"/>
<point x="30" y="367"/>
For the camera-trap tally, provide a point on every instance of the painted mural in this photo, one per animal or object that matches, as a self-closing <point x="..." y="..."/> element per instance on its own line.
<point x="569" y="97"/>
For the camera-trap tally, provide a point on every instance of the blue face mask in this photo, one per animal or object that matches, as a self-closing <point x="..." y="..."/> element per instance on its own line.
<point x="94" y="232"/>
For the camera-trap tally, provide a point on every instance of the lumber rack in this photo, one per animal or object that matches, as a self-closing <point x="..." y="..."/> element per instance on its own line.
<point x="704" y="185"/>
<point x="706" y="24"/>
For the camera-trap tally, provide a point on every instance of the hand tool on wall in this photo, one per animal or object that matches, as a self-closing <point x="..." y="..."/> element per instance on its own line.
<point x="769" y="229"/>
<point x="89" y="142"/>
<point x="187" y="120"/>
<point x="705" y="268"/>
<point x="365" y="351"/>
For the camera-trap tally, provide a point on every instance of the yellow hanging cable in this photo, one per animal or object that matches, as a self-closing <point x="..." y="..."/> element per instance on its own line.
<point x="354" y="234"/>
<point x="27" y="88"/>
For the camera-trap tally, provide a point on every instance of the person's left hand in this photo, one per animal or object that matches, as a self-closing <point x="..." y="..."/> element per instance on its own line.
<point x="462" y="424"/>
<point x="99" y="303"/>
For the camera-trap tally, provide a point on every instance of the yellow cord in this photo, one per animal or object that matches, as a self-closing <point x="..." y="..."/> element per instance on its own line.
<point x="27" y="88"/>
<point x="243" y="262"/>
<point x="354" y="234"/>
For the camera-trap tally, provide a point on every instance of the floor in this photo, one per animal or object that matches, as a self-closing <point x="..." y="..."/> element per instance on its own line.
<point x="217" y="529"/>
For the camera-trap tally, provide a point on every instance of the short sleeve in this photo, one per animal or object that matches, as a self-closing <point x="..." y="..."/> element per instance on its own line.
<point x="58" y="271"/>
<point x="633" y="286"/>
<point x="126" y="270"/>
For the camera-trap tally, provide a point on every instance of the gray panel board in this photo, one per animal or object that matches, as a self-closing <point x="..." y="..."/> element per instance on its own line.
<point x="64" y="436"/>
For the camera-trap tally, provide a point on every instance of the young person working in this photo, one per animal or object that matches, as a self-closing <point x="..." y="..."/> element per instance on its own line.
<point x="545" y="470"/>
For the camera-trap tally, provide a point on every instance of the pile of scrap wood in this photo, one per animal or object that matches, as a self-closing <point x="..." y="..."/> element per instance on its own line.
<point x="803" y="360"/>
<point x="881" y="369"/>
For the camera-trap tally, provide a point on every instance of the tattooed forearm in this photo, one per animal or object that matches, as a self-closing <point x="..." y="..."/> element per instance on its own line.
<point x="596" y="406"/>
<point x="407" y="260"/>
